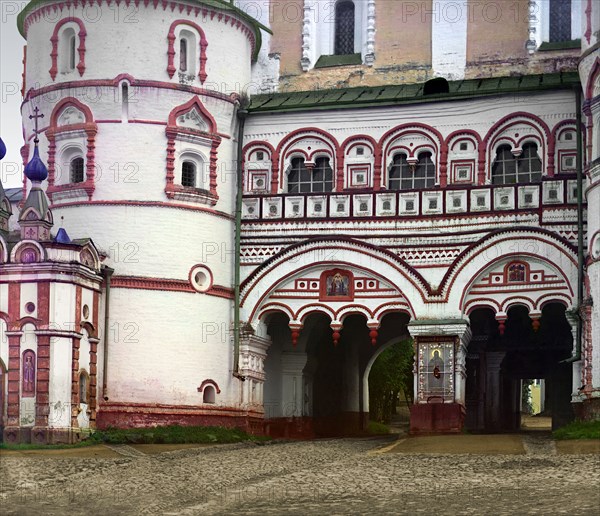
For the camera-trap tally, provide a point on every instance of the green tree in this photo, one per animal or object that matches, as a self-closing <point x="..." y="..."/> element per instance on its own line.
<point x="391" y="375"/>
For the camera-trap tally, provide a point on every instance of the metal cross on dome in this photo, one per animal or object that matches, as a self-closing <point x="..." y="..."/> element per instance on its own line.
<point x="36" y="117"/>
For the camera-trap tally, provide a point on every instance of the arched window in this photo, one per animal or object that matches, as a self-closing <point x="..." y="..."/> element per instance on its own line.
<point x="183" y="55"/>
<point x="188" y="49"/>
<point x="209" y="394"/>
<point x="344" y="28"/>
<point x="301" y="179"/>
<point x="188" y="174"/>
<point x="68" y="50"/>
<point x="529" y="167"/>
<point x="76" y="170"/>
<point x="72" y="51"/>
<point x="507" y="169"/>
<point x="404" y="176"/>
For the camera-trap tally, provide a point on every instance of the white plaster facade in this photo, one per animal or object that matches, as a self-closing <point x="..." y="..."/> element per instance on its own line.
<point x="424" y="254"/>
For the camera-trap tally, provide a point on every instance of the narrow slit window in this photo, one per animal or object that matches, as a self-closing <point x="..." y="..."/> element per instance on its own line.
<point x="125" y="102"/>
<point x="72" y="52"/>
<point x="183" y="55"/>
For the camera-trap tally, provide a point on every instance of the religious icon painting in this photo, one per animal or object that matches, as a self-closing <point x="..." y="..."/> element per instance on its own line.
<point x="436" y="370"/>
<point x="337" y="285"/>
<point x="28" y="374"/>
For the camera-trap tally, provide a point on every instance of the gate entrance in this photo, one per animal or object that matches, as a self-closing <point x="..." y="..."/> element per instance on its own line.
<point x="501" y="357"/>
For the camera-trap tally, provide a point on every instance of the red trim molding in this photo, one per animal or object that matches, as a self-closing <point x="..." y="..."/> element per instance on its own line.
<point x="167" y="284"/>
<point x="90" y="128"/>
<point x="173" y="130"/>
<point x="209" y="382"/>
<point x="81" y="49"/>
<point x="171" y="51"/>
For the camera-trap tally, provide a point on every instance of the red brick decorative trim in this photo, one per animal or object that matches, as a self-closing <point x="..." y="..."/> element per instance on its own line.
<point x="153" y="204"/>
<point x="167" y="284"/>
<point x="81" y="49"/>
<point x="588" y="22"/>
<point x="286" y="146"/>
<point x="171" y="50"/>
<point x="134" y="83"/>
<point x="90" y="128"/>
<point x="173" y="130"/>
<point x="209" y="382"/>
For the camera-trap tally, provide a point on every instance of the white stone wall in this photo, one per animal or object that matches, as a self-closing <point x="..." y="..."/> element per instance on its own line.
<point x="163" y="345"/>
<point x="124" y="40"/>
<point x="449" y="39"/>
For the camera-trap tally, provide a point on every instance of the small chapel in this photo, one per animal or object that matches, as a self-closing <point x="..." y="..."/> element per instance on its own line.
<point x="230" y="209"/>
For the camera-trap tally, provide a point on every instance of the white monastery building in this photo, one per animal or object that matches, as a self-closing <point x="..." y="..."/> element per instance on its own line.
<point x="230" y="209"/>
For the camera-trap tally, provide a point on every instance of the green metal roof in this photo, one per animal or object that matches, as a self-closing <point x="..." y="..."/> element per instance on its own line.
<point x="222" y="5"/>
<point x="409" y="93"/>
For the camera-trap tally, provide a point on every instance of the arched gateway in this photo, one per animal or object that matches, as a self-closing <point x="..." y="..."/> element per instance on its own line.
<point x="320" y="312"/>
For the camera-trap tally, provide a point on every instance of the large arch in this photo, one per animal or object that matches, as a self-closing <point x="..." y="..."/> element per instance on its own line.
<point x="327" y="253"/>
<point x="506" y="244"/>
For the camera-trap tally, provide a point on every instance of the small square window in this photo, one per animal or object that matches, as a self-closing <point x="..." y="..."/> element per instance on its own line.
<point x="569" y="136"/>
<point x="464" y="146"/>
<point x="360" y="151"/>
<point x="260" y="155"/>
<point x="462" y="173"/>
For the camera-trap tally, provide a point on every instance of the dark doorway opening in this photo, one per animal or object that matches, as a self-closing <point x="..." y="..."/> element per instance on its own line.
<point x="502" y="356"/>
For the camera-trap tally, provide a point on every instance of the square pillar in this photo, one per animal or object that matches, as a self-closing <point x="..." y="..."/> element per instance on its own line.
<point x="440" y="375"/>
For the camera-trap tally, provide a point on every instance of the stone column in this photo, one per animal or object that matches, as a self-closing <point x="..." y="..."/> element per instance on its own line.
<point x="42" y="409"/>
<point x="253" y="352"/>
<point x="460" y="366"/>
<point x="578" y="381"/>
<point x="12" y="432"/>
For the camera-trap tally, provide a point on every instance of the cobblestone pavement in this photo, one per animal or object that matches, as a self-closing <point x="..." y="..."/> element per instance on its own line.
<point x="329" y="477"/>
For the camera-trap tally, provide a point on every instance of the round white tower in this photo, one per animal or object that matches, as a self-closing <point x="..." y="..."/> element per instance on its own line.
<point x="140" y="101"/>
